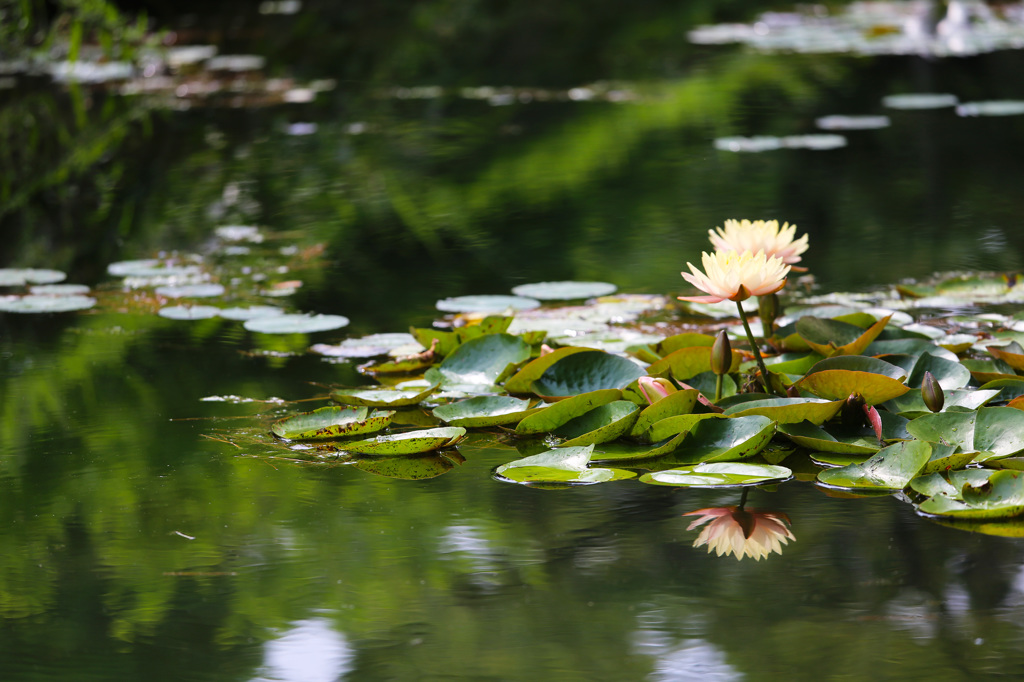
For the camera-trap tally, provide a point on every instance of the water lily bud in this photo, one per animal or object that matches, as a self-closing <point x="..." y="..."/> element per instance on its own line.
<point x="655" y="388"/>
<point x="721" y="354"/>
<point x="852" y="414"/>
<point x="768" y="310"/>
<point x="932" y="393"/>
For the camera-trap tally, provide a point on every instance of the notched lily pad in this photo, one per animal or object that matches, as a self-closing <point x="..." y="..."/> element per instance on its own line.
<point x="486" y="304"/>
<point x="483" y="360"/>
<point x="789" y="410"/>
<point x="408" y="443"/>
<point x="1001" y="495"/>
<point x="332" y="422"/>
<point x="719" y="475"/>
<point x="600" y="425"/>
<point x="725" y="439"/>
<point x="381" y="397"/>
<point x="484" y="411"/>
<point x="584" y="372"/>
<point x="295" y="323"/>
<point x="565" y="466"/>
<point x="891" y="468"/>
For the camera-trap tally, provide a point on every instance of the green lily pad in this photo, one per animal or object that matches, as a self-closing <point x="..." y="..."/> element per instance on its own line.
<point x="331" y="422"/>
<point x="1008" y="388"/>
<point x="789" y="410"/>
<point x="672" y="426"/>
<point x="686" y="363"/>
<point x="1001" y="495"/>
<point x="486" y="304"/>
<point x="381" y="397"/>
<point x="16" y="277"/>
<point x="915" y="347"/>
<point x="561" y="412"/>
<point x="563" y="291"/>
<point x="986" y="371"/>
<point x="1010" y="354"/>
<point x="189" y="312"/>
<point x="950" y="483"/>
<point x="59" y="290"/>
<point x="585" y="372"/>
<point x="685" y="340"/>
<point x="911" y="404"/>
<point x="207" y="290"/>
<point x="718" y="475"/>
<point x="832" y="338"/>
<point x="816" y="438"/>
<point x="834" y="459"/>
<point x="408" y="443"/>
<point x="45" y="304"/>
<point x="600" y="425"/>
<point x="410" y="467"/>
<point x="792" y="363"/>
<point x="839" y="377"/>
<point x="295" y="324"/>
<point x="484" y="411"/>
<point x="725" y="439"/>
<point x="999" y="430"/>
<point x="521" y="381"/>
<point x="484" y="360"/>
<point x="560" y="465"/>
<point x="891" y="468"/>
<point x="242" y="314"/>
<point x="947" y="458"/>
<point x="672" y="405"/>
<point x="950" y="375"/>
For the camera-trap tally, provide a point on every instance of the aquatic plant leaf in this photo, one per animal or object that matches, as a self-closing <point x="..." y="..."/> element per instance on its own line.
<point x="950" y="483"/>
<point x="1004" y="107"/>
<point x="672" y="426"/>
<point x="567" y="465"/>
<point x="410" y="467"/>
<point x="718" y="475"/>
<point x="59" y="290"/>
<point x="987" y="371"/>
<point x="685" y="340"/>
<point x="295" y="323"/>
<point x="725" y="439"/>
<point x="600" y="425"/>
<point x="790" y="363"/>
<point x="1010" y="354"/>
<point x="674" y="404"/>
<point x="891" y="468"/>
<point x="789" y="410"/>
<point x="999" y="430"/>
<point x="332" y="422"/>
<point x="189" y="312"/>
<point x="839" y="377"/>
<point x="521" y="381"/>
<point x="1009" y="389"/>
<point x="564" y="291"/>
<point x="881" y="348"/>
<point x="950" y="375"/>
<point x="559" y="413"/>
<point x="407" y="443"/>
<point x="45" y="304"/>
<point x="946" y="458"/>
<point x="151" y="268"/>
<point x="920" y="100"/>
<point x="483" y="411"/>
<point x="242" y="314"/>
<point x="381" y="397"/>
<point x="484" y="360"/>
<point x="205" y="290"/>
<point x="816" y="438"/>
<point x="832" y="338"/>
<point x="584" y="372"/>
<point x="686" y="363"/>
<point x="840" y="122"/>
<point x="1001" y="495"/>
<point x="16" y="277"/>
<point x="911" y="404"/>
<point x="486" y="304"/>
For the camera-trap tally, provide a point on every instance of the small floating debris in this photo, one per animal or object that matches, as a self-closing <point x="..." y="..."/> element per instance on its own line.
<point x="923" y="100"/>
<point x="1006" y="107"/>
<point x="840" y="122"/>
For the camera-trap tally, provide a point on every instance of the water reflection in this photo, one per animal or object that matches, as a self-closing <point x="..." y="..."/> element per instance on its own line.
<point x="741" y="531"/>
<point x="309" y="651"/>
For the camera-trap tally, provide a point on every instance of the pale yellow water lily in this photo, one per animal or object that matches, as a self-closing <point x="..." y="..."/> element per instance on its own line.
<point x="734" y="276"/>
<point x="760" y="235"/>
<point x="735" y="530"/>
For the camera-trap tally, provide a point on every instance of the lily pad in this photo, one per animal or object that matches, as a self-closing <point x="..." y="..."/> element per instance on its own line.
<point x="600" y="425"/>
<point x="250" y="313"/>
<point x="584" y="372"/>
<point x="208" y="290"/>
<point x="295" y="324"/>
<point x="839" y="377"/>
<point x="484" y="360"/>
<point x="725" y="439"/>
<point x="672" y="426"/>
<point x="45" y="304"/>
<point x="408" y="443"/>
<point x="686" y="363"/>
<point x="381" y="397"/>
<point x="59" y="290"/>
<point x="563" y="291"/>
<point x="832" y="337"/>
<point x="891" y="468"/>
<point x="1001" y="495"/>
<point x="999" y="430"/>
<point x="839" y="122"/>
<point x="560" y="465"/>
<point x="332" y="422"/>
<point x="816" y="438"/>
<point x="920" y="100"/>
<point x="789" y="410"/>
<point x="950" y="483"/>
<point x="483" y="411"/>
<point x="486" y="304"/>
<point x="189" y="312"/>
<point x="561" y="412"/>
<point x="911" y="404"/>
<point x="685" y="340"/>
<point x="1004" y="107"/>
<point x="718" y="475"/>
<point x="674" y="404"/>
<point x="16" y="277"/>
<point x="370" y="346"/>
<point x="410" y="467"/>
<point x="151" y="268"/>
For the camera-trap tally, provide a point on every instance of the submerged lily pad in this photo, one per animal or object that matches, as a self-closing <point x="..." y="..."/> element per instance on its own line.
<point x="486" y="304"/>
<point x="891" y="468"/>
<point x="563" y="291"/>
<point x="485" y="411"/>
<point x="718" y="475"/>
<point x="409" y="467"/>
<point x="560" y="465"/>
<point x="16" y="277"/>
<point x="408" y="443"/>
<point x="584" y="372"/>
<point x="295" y="324"/>
<point x="332" y="422"/>
<point x="45" y="304"/>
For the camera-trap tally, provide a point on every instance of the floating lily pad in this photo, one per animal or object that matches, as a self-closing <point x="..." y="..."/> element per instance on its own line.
<point x="1005" y="107"/>
<point x="486" y="304"/>
<point x="59" y="290"/>
<point x="485" y="411"/>
<point x="1011" y="354"/>
<point x="45" y="304"/>
<point x="911" y="404"/>
<point x="999" y="430"/>
<point x="950" y="375"/>
<point x="718" y="475"/>
<point x="208" y="290"/>
<point x="839" y="122"/>
<point x="950" y="483"/>
<point x="382" y="397"/>
<point x="189" y="312"/>
<point x="891" y="468"/>
<point x="789" y="410"/>
<point x="484" y="360"/>
<point x="332" y="422"/>
<point x="150" y="268"/>
<point x="672" y="405"/>
<point x="839" y="377"/>
<point x="584" y="372"/>
<point x="686" y="363"/>
<point x="559" y="413"/>
<point x="834" y="337"/>
<point x="408" y="443"/>
<point x="671" y="426"/>
<point x="250" y="313"/>
<point x="1001" y="495"/>
<point x="560" y="465"/>
<point x="295" y="324"/>
<point x="725" y="439"/>
<point x="563" y="291"/>
<point x="370" y="346"/>
<point x="16" y="277"/>
<point x="920" y="100"/>
<point x="600" y="425"/>
<point x="522" y="380"/>
<point x="816" y="438"/>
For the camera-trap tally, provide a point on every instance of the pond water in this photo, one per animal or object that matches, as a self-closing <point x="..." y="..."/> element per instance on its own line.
<point x="430" y="152"/>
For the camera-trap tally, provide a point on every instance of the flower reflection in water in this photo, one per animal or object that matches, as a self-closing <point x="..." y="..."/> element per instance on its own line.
<point x="740" y="531"/>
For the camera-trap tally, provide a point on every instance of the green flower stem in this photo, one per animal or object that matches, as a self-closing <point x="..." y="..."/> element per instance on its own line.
<point x="757" y="351"/>
<point x="718" y="387"/>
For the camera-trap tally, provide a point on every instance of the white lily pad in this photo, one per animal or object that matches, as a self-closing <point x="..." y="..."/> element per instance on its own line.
<point x="44" y="304"/>
<point x="250" y="313"/>
<point x="16" y="277"/>
<point x="239" y="233"/>
<point x="1005" y="107"/>
<point x="208" y="290"/>
<point x="151" y="267"/>
<point x="921" y="100"/>
<point x="564" y="291"/>
<point x="486" y="304"/>
<point x="718" y="475"/>
<point x="189" y="312"/>
<point x="295" y="324"/>
<point x="839" y="122"/>
<point x="59" y="290"/>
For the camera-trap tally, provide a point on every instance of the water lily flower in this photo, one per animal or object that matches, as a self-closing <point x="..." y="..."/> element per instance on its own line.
<point x="739" y="531"/>
<point x="655" y="388"/>
<point x="760" y="235"/>
<point x="735" y="276"/>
